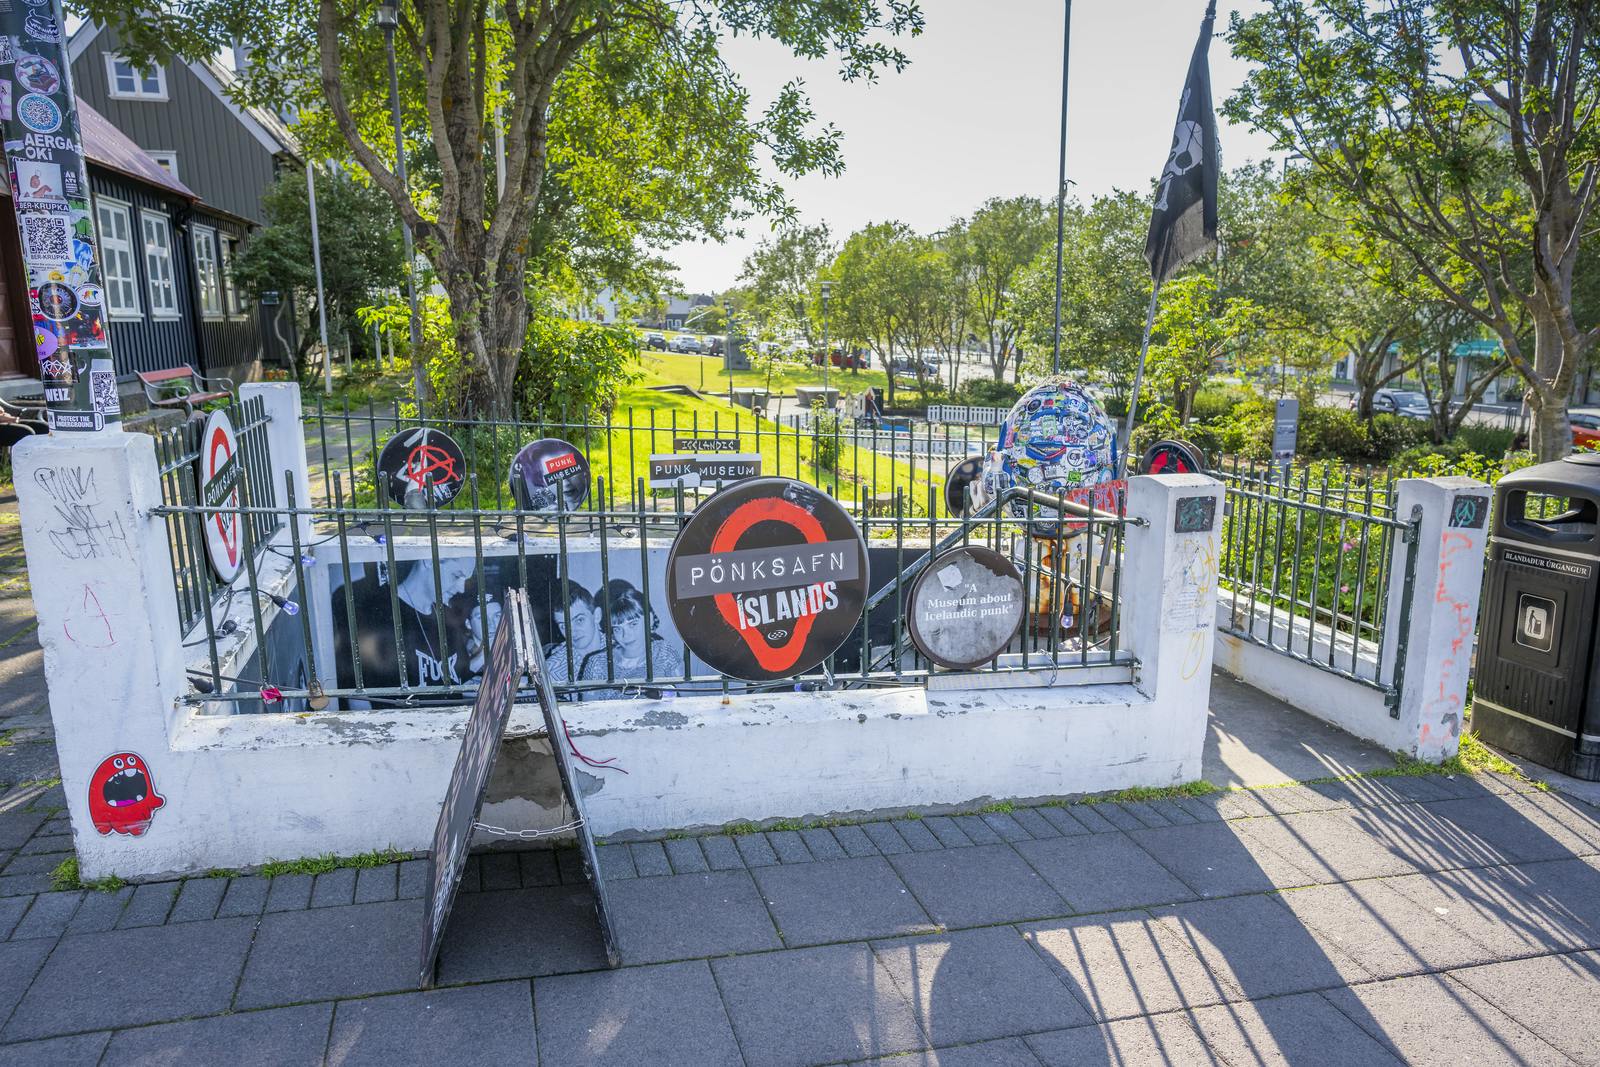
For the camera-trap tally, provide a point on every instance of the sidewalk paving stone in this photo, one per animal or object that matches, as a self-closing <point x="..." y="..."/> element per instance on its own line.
<point x="1212" y="859"/>
<point x="414" y="879"/>
<point x="976" y="985"/>
<point x="11" y="912"/>
<point x="1294" y="799"/>
<point x="815" y="1005"/>
<point x="756" y="850"/>
<point x="198" y="900"/>
<point x="1006" y="825"/>
<point x="650" y="859"/>
<point x="685" y="856"/>
<point x="375" y="885"/>
<point x="323" y="953"/>
<point x="712" y="914"/>
<point x="43" y="842"/>
<point x="19" y="963"/>
<point x="245" y="896"/>
<point x="963" y="887"/>
<point x="500" y="870"/>
<point x="977" y="830"/>
<point x="1007" y="1052"/>
<point x="665" y="1016"/>
<point x="538" y="867"/>
<point x="789" y="847"/>
<point x="1152" y="1042"/>
<point x="49" y="915"/>
<point x="569" y="863"/>
<point x="1102" y="872"/>
<point x="1383" y="931"/>
<point x="1576" y="817"/>
<point x="471" y="880"/>
<point x="1063" y="819"/>
<point x="1117" y="815"/>
<point x="1553" y="996"/>
<point x="1254" y="946"/>
<point x="916" y="836"/>
<point x="945" y="829"/>
<point x="284" y="1037"/>
<point x="99" y="912"/>
<point x="1498" y="909"/>
<point x="289" y="892"/>
<point x="616" y="861"/>
<point x="1237" y="804"/>
<point x="1118" y="965"/>
<point x="333" y="888"/>
<point x="1196" y="806"/>
<point x="440" y="1026"/>
<point x="885" y="838"/>
<point x="33" y="863"/>
<point x="722" y="853"/>
<point x="1036" y="825"/>
<point x="839" y="900"/>
<point x="1146" y="813"/>
<point x="1089" y="817"/>
<point x="131" y="977"/>
<point x="1169" y="809"/>
<point x="78" y="1050"/>
<point x="519" y="933"/>
<point x="1501" y="829"/>
<point x="823" y="845"/>
<point x="150" y="904"/>
<point x="1410" y="1017"/>
<point x="1303" y="1028"/>
<point x="854" y="841"/>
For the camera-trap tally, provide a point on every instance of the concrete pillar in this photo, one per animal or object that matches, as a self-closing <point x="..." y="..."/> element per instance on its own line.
<point x="1169" y="583"/>
<point x="108" y="621"/>
<point x="286" y="440"/>
<point x="1449" y="554"/>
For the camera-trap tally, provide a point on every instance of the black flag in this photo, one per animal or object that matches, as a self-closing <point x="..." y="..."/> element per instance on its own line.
<point x="1183" y="225"/>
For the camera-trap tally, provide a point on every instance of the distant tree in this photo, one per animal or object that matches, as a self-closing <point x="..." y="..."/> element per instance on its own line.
<point x="1002" y="238"/>
<point x="1199" y="333"/>
<point x="782" y="272"/>
<point x="869" y="293"/>
<point x="361" y="252"/>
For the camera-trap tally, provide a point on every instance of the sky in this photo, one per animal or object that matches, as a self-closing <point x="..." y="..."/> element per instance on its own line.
<point x="976" y="114"/>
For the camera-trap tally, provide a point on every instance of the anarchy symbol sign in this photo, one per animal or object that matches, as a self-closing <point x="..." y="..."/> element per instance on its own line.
<point x="424" y="468"/>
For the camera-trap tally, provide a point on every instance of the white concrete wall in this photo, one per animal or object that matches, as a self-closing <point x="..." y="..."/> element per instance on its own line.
<point x="239" y="790"/>
<point x="1426" y="722"/>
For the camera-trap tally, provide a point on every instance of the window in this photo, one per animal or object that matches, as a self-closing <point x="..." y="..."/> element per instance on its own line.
<point x="205" y="265"/>
<point x="230" y="295"/>
<point x="158" y="266"/>
<point x="116" y="259"/>
<point x="168" y="161"/>
<point x="128" y="82"/>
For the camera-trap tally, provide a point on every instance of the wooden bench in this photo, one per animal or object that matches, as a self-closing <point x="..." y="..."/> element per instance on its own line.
<point x="183" y="387"/>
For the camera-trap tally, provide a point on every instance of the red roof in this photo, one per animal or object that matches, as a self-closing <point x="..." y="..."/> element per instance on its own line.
<point x="108" y="146"/>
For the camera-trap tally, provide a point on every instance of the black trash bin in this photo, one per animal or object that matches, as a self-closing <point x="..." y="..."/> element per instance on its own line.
<point x="1536" y="692"/>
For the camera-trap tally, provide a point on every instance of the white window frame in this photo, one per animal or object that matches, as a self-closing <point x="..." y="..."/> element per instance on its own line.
<point x="110" y="247"/>
<point x="139" y="92"/>
<point x="167" y="160"/>
<point x="227" y="248"/>
<point x="207" y="274"/>
<point x="163" y="292"/>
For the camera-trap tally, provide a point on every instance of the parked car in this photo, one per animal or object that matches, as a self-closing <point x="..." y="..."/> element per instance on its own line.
<point x="657" y="341"/>
<point x="849" y="360"/>
<point x="1585" y="427"/>
<point x="714" y="346"/>
<point x="685" y="343"/>
<point x="1402" y="402"/>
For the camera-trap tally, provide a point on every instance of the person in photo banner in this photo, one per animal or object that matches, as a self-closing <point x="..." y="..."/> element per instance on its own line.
<point x="581" y="620"/>
<point x="629" y="627"/>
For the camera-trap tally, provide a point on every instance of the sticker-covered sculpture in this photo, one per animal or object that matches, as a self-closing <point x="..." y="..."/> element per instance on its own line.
<point x="1057" y="439"/>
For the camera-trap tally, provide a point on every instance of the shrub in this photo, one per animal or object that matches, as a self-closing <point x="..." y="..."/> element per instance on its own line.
<point x="1334" y="433"/>
<point x="986" y="392"/>
<point x="1485" y="440"/>
<point x="1216" y="402"/>
<point x="1391" y="435"/>
<point x="1247" y="430"/>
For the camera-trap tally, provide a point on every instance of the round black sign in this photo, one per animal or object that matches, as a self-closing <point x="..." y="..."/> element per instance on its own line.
<point x="1172" y="457"/>
<point x="961" y="475"/>
<point x="545" y="468"/>
<point x="423" y="468"/>
<point x="767" y="579"/>
<point x="966" y="608"/>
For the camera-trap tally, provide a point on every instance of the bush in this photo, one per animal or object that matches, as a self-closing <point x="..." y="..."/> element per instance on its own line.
<point x="1247" y="431"/>
<point x="988" y="393"/>
<point x="1485" y="440"/>
<point x="1160" y="422"/>
<point x="1215" y="402"/>
<point x="1334" y="433"/>
<point x="1391" y="435"/>
<point x="574" y="368"/>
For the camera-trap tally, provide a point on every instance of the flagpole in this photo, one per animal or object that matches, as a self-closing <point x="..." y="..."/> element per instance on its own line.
<point x="1138" y="373"/>
<point x="1061" y="185"/>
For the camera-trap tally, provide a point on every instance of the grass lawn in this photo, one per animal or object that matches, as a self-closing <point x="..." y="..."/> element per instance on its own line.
<point x="694" y="370"/>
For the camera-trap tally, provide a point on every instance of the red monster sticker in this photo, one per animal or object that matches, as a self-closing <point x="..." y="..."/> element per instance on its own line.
<point x="122" y="796"/>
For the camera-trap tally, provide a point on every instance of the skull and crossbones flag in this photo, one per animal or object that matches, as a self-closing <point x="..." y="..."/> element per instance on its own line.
<point x="1183" y="225"/>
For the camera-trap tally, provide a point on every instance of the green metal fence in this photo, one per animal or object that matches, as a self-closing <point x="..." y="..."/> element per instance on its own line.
<point x="1308" y="568"/>
<point x="178" y="453"/>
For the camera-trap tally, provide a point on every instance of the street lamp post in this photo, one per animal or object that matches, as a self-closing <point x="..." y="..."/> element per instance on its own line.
<point x="827" y="356"/>
<point x="388" y="20"/>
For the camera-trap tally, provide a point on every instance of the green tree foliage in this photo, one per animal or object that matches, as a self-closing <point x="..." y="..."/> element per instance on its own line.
<point x="869" y="287"/>
<point x="361" y="252"/>
<point x="622" y="125"/>
<point x="1462" y="133"/>
<point x="1200" y="333"/>
<point x="782" y="274"/>
<point x="1001" y="238"/>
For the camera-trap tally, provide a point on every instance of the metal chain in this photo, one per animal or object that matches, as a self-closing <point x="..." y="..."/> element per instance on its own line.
<point x="526" y="835"/>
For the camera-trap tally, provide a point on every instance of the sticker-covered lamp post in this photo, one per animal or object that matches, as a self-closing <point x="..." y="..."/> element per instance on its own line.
<point x="44" y="157"/>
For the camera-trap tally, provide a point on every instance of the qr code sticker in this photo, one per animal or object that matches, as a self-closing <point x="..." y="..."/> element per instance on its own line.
<point x="47" y="237"/>
<point x="103" y="392"/>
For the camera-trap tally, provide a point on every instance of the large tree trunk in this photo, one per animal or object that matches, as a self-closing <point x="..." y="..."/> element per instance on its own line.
<point x="1550" y="390"/>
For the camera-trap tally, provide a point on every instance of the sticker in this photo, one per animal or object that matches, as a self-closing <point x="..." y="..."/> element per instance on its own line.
<point x="39" y="113"/>
<point x="970" y="611"/>
<point x="423" y="468"/>
<point x="767" y="579"/>
<point x="39" y="182"/>
<point x="218" y="469"/>
<point x="90" y="296"/>
<point x="6" y="53"/>
<point x="1194" y="514"/>
<point x="57" y="301"/>
<point x="37" y="74"/>
<point x="122" y="795"/>
<point x="1470" y="512"/>
<point x="41" y="27"/>
<point x="549" y="473"/>
<point x="46" y="236"/>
